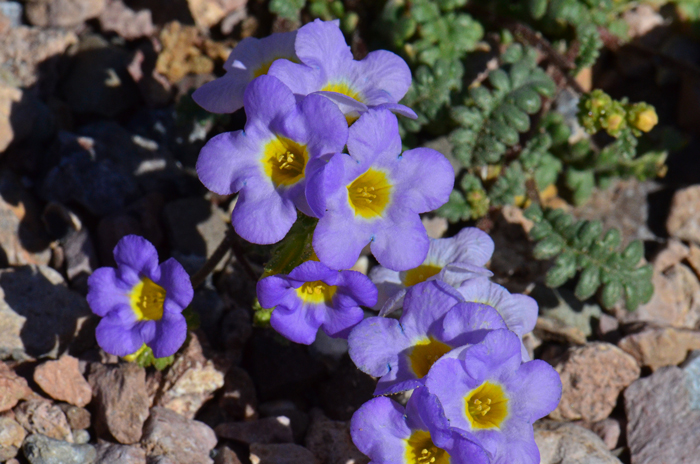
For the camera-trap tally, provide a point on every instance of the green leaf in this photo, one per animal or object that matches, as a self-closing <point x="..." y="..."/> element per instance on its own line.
<point x="288" y="9"/>
<point x="612" y="292"/>
<point x="548" y="248"/>
<point x="294" y="249"/>
<point x="588" y="282"/>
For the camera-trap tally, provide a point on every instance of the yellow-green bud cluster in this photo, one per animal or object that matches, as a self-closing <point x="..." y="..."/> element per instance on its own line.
<point x="598" y="111"/>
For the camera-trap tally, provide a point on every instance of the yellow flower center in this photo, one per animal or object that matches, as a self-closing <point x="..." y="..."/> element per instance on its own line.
<point x="133" y="356"/>
<point x="486" y="406"/>
<point x="263" y="69"/>
<point x="425" y="354"/>
<point x="317" y="292"/>
<point x="284" y="161"/>
<point x="422" y="450"/>
<point x="345" y="89"/>
<point x="147" y="299"/>
<point x="369" y="194"/>
<point x="420" y="274"/>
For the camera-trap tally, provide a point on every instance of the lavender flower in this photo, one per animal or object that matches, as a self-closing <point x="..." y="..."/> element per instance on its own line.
<point x="435" y="321"/>
<point x="268" y="161"/>
<point x="489" y="393"/>
<point x="452" y="260"/>
<point x="251" y="58"/>
<point x="140" y="302"/>
<point x="420" y="434"/>
<point x="380" y="79"/>
<point x="314" y="296"/>
<point x="374" y="195"/>
<point x="518" y="311"/>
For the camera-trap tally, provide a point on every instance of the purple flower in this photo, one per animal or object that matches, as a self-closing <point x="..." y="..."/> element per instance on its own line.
<point x="374" y="195"/>
<point x="435" y="321"/>
<point x="452" y="260"/>
<point x="251" y="58"/>
<point x="518" y="311"/>
<point x="140" y="302"/>
<point x="488" y="392"/>
<point x="380" y="79"/>
<point x="314" y="296"/>
<point x="420" y="434"/>
<point x="268" y="162"/>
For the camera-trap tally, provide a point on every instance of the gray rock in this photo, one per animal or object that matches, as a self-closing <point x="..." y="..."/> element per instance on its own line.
<point x="684" y="217"/>
<point x="238" y="397"/>
<point x="121" y="400"/>
<point x="566" y="443"/>
<point x="268" y="430"/>
<point x="110" y="453"/>
<point x="561" y="305"/>
<point x="43" y="417"/>
<point x="663" y="414"/>
<point x="169" y="435"/>
<point x="78" y="418"/>
<point x="286" y="453"/>
<point x="298" y="418"/>
<point x="226" y="455"/>
<point x="330" y="441"/>
<point x="39" y="316"/>
<point x="81" y="436"/>
<point x="129" y="24"/>
<point x="62" y="13"/>
<point x="12" y="11"/>
<point x="39" y="449"/>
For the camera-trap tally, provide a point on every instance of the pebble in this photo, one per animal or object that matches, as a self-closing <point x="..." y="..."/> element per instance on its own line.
<point x="62" y="381"/>
<point x="286" y="453"/>
<point x="268" y="430"/>
<point x="12" y="388"/>
<point x="11" y="437"/>
<point x="121" y="400"/>
<point x="567" y="443"/>
<point x="127" y="23"/>
<point x="238" y="397"/>
<point x="38" y="313"/>
<point x="45" y="418"/>
<point x="190" y="381"/>
<point x="684" y="216"/>
<point x="663" y="416"/>
<point x="62" y="13"/>
<point x="208" y="13"/>
<point x="226" y="455"/>
<point x="110" y="453"/>
<point x="298" y="418"/>
<point x="330" y="441"/>
<point x="169" y="435"/>
<point x="78" y="418"/>
<point x="662" y="346"/>
<point x="346" y="390"/>
<point x="592" y="378"/>
<point x="39" y="449"/>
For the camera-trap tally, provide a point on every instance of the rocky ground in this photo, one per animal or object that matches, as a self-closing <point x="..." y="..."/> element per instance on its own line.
<point x="98" y="139"/>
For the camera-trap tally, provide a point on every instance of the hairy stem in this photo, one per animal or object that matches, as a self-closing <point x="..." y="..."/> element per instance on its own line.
<point x="228" y="243"/>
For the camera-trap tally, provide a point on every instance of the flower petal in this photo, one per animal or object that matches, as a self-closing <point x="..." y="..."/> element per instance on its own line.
<point x="375" y="136"/>
<point x="402" y="244"/>
<point x="375" y="343"/>
<point x="424" y="189"/>
<point x="139" y="254"/>
<point x="338" y="240"/>
<point x="379" y="430"/>
<point x="170" y="334"/>
<point x="262" y="216"/>
<point x="385" y="77"/>
<point x="106" y="291"/>
<point x="537" y="390"/>
<point x="228" y="161"/>
<point x="424" y="306"/>
<point x="225" y="94"/>
<point x="176" y="282"/>
<point x="298" y="323"/>
<point x="321" y="44"/>
<point x="468" y="323"/>
<point x="118" y="334"/>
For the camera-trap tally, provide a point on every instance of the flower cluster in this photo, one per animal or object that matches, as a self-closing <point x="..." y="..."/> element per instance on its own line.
<point x="321" y="139"/>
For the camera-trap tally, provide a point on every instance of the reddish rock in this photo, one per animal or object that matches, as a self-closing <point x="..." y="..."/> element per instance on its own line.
<point x="168" y="435"/>
<point x="268" y="430"/>
<point x="78" y="418"/>
<point x="110" y="453"/>
<point x="684" y="217"/>
<point x="121" y="400"/>
<point x="11" y="437"/>
<point x="208" y="13"/>
<point x="129" y="24"/>
<point x="567" y="443"/>
<point x="41" y="416"/>
<point x="62" y="381"/>
<point x="12" y="388"/>
<point x="62" y="13"/>
<point x="659" y="347"/>
<point x="592" y="378"/>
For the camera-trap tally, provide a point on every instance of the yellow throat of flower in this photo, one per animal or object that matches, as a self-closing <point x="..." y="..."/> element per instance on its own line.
<point x="425" y="353"/>
<point x="284" y="161"/>
<point x="345" y="89"/>
<point x="420" y="449"/>
<point x="369" y="194"/>
<point x="316" y="292"/>
<point x="486" y="406"/>
<point x="147" y="298"/>
<point x="420" y="274"/>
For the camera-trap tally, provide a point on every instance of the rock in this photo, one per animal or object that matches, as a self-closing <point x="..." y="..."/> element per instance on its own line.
<point x="78" y="418"/>
<point x="641" y="20"/>
<point x="18" y="112"/>
<point x="346" y="390"/>
<point x="208" y="13"/>
<point x="226" y="455"/>
<point x="592" y="378"/>
<point x="127" y="23"/>
<point x="435" y="226"/>
<point x="22" y="235"/>
<point x="44" y="450"/>
<point x="81" y="436"/>
<point x="98" y="81"/>
<point x="555" y="330"/>
<point x="608" y="430"/>
<point x="62" y="381"/>
<point x="566" y="443"/>
<point x="694" y="259"/>
<point x="39" y="316"/>
<point x="190" y="381"/>
<point x="109" y="453"/>
<point x="299" y="420"/>
<point x="684" y="217"/>
<point x="195" y="227"/>
<point x="238" y="397"/>
<point x="12" y="388"/>
<point x="177" y="438"/>
<point x="27" y="50"/>
<point x="268" y="430"/>
<point x="207" y="303"/>
<point x="11" y="437"/>
<point x="674" y="253"/>
<point x="62" y="13"/>
<point x="330" y="441"/>
<point x="121" y="400"/>
<point x="182" y="53"/>
<point x="663" y="420"/>
<point x="45" y="418"/>
<point x="561" y="305"/>
<point x="286" y="453"/>
<point x="659" y="347"/>
<point x="13" y="12"/>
